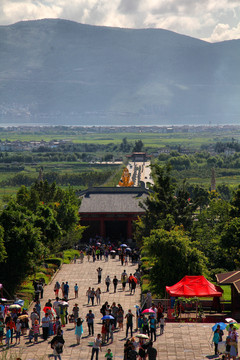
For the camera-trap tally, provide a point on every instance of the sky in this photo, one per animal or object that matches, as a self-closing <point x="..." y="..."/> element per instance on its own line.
<point x="210" y="20"/>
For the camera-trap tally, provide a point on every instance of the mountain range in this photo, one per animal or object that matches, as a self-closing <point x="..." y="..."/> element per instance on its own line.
<point x="59" y="72"/>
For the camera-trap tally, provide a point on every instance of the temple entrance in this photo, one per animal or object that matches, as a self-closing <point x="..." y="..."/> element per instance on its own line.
<point x="116" y="230"/>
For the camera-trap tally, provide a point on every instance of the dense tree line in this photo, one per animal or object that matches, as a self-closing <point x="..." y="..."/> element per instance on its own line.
<point x="188" y="234"/>
<point x="40" y="220"/>
<point x="86" y="178"/>
<point x="72" y="152"/>
<point x="201" y="160"/>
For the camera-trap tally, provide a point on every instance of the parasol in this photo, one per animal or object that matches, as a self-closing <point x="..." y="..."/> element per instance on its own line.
<point x="141" y="336"/>
<point x="63" y="303"/>
<point x="3" y="299"/>
<point x="230" y="320"/>
<point x="148" y="311"/>
<point x="235" y="325"/>
<point x="221" y="324"/>
<point x="22" y="317"/>
<point x="128" y="249"/>
<point x="123" y="245"/>
<point x="107" y="317"/>
<point x="47" y="308"/>
<point x="14" y="307"/>
<point x="19" y="302"/>
<point x="112" y="251"/>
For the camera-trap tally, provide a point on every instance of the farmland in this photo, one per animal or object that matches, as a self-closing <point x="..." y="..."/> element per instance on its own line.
<point x="83" y="157"/>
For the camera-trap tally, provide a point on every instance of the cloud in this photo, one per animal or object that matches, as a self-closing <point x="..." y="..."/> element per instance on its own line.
<point x="223" y="32"/>
<point x="211" y="20"/>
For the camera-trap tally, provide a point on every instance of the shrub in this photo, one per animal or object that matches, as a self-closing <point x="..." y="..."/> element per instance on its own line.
<point x="56" y="261"/>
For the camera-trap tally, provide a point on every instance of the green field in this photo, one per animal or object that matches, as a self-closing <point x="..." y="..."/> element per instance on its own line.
<point x="109" y="143"/>
<point x="186" y="139"/>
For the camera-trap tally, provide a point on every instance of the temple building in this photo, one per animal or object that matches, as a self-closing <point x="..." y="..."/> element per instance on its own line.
<point x="110" y="211"/>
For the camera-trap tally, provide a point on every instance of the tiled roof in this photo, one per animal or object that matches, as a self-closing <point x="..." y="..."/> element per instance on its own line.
<point x="112" y="200"/>
<point x="228" y="277"/>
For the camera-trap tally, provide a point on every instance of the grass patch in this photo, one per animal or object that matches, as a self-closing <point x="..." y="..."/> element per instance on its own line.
<point x="68" y="255"/>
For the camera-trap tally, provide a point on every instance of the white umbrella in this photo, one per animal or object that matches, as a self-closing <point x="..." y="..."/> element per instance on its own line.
<point x="142" y="336"/>
<point x="230" y="320"/>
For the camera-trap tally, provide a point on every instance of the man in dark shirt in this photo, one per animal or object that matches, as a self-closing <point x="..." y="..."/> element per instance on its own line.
<point x="152" y="352"/>
<point x="129" y="318"/>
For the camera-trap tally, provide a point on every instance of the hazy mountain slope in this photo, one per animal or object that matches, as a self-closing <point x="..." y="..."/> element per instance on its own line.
<point x="58" y="71"/>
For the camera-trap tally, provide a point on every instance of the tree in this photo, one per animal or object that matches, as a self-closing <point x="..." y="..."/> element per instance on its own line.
<point x="172" y="256"/>
<point x="3" y="253"/>
<point x="230" y="241"/>
<point x="138" y="147"/>
<point x="23" y="245"/>
<point x="167" y="204"/>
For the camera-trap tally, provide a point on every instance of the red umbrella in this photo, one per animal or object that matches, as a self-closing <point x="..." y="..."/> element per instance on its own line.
<point x="134" y="279"/>
<point x="148" y="311"/>
<point x="46" y="308"/>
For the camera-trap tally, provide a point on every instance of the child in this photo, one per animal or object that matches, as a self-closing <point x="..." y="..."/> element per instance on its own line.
<point x="162" y="322"/>
<point x="79" y="330"/>
<point x="36" y="331"/>
<point x="30" y="335"/>
<point x="109" y="355"/>
<point x="8" y="336"/>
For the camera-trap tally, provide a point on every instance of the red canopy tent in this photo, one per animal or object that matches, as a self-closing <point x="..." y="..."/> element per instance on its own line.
<point x="194" y="286"/>
<point x="191" y="286"/>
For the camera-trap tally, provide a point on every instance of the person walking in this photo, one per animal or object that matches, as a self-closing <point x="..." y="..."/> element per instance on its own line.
<point x="107" y="282"/>
<point x="57" y="345"/>
<point x="98" y="296"/>
<point x="99" y="272"/>
<point x="88" y="294"/>
<point x="90" y="321"/>
<point x="96" y="346"/>
<point x="79" y="330"/>
<point x="92" y="296"/>
<point x="45" y="326"/>
<point x="115" y="283"/>
<point x="75" y="312"/>
<point x="153" y="325"/>
<point x="76" y="290"/>
<point x="151" y="352"/>
<point x="129" y="316"/>
<point x="56" y="288"/>
<point x="124" y="279"/>
<point x="66" y="290"/>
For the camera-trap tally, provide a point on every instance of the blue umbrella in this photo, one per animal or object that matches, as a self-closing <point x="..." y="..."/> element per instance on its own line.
<point x="123" y="245"/>
<point x="107" y="317"/>
<point x="221" y="324"/>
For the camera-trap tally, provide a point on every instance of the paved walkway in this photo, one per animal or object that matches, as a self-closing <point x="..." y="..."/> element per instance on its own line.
<point x="179" y="341"/>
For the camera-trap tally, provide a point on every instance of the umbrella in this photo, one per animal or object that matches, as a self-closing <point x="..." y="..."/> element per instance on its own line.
<point x="123" y="245"/>
<point x="107" y="317"/>
<point x="134" y="279"/>
<point x="14" y="306"/>
<point x="148" y="311"/>
<point x="47" y="308"/>
<point x="128" y="249"/>
<point x="236" y="325"/>
<point x="221" y="324"/>
<point x="63" y="303"/>
<point x="112" y="251"/>
<point x="22" y="317"/>
<point x="19" y="302"/>
<point x="141" y="336"/>
<point x="3" y="299"/>
<point x="230" y="320"/>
